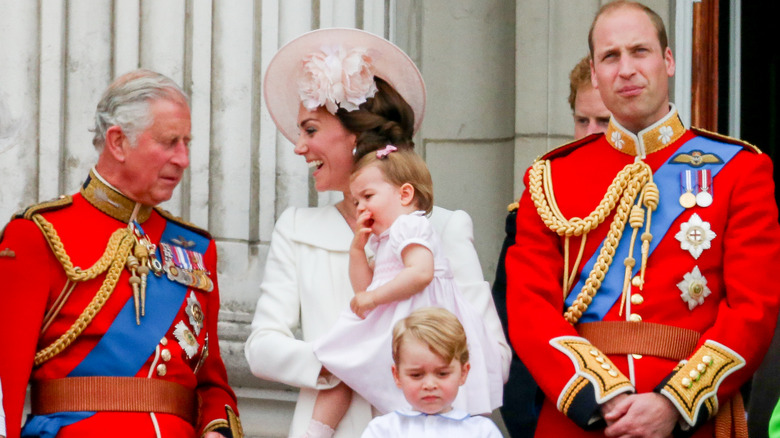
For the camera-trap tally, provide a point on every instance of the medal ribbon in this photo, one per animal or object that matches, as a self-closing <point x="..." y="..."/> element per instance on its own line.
<point x="196" y="259"/>
<point x="686" y="181"/>
<point x="182" y="259"/>
<point x="704" y="180"/>
<point x="669" y="209"/>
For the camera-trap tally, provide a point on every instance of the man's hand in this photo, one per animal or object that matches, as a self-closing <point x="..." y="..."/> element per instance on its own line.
<point x="610" y="405"/>
<point x="647" y="415"/>
<point x="362" y="303"/>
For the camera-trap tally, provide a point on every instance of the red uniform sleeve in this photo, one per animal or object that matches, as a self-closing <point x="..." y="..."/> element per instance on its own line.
<point x="217" y="400"/>
<point x="25" y="268"/>
<point x="732" y="348"/>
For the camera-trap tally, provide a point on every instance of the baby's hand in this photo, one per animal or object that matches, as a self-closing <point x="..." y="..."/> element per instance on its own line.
<point x="365" y="221"/>
<point x="363" y="230"/>
<point x="362" y="303"/>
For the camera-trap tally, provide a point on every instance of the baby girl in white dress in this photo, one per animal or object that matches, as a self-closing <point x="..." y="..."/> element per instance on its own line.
<point x="393" y="191"/>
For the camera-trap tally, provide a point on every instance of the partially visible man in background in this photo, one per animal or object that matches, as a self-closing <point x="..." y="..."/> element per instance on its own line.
<point x="590" y="114"/>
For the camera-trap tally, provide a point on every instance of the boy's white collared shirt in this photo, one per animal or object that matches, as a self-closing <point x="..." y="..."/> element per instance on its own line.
<point x="409" y="423"/>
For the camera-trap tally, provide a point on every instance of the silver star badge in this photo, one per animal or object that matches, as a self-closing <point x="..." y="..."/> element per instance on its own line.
<point x="195" y="313"/>
<point x="186" y="339"/>
<point x="694" y="288"/>
<point x="695" y="235"/>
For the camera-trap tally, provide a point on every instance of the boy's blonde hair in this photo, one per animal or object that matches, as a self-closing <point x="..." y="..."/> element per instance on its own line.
<point x="436" y="327"/>
<point x="400" y="167"/>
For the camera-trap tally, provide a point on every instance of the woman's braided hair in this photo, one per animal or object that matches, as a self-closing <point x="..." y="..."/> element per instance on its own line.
<point x="383" y="119"/>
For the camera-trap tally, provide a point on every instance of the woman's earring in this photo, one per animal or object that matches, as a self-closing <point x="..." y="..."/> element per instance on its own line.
<point x="354" y="151"/>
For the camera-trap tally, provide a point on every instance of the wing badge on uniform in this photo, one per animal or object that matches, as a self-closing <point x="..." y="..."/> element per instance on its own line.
<point x="8" y="253"/>
<point x="183" y="242"/>
<point x="696" y="158"/>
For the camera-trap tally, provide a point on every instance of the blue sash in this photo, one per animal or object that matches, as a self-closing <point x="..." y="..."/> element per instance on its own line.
<point x="667" y="177"/>
<point x="125" y="346"/>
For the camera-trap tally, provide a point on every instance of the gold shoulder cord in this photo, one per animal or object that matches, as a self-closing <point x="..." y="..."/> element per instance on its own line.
<point x="113" y="260"/>
<point x="633" y="183"/>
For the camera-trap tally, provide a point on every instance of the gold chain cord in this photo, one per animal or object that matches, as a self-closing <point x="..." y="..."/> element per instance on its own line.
<point x="623" y="191"/>
<point x="113" y="259"/>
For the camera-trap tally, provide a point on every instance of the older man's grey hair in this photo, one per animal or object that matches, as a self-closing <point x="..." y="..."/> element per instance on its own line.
<point x="126" y="101"/>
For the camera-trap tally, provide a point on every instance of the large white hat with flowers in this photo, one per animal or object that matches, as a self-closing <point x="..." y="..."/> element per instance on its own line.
<point x="335" y="68"/>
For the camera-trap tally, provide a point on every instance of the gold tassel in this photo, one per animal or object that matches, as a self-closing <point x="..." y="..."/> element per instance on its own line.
<point x="135" y="281"/>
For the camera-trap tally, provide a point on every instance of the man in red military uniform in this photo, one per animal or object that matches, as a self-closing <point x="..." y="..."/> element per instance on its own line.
<point x="642" y="287"/>
<point x="109" y="305"/>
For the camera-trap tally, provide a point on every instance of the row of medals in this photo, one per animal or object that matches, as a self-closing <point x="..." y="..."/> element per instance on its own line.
<point x="194" y="278"/>
<point x="703" y="188"/>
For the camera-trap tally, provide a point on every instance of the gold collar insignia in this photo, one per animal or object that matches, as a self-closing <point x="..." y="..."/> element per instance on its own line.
<point x="110" y="201"/>
<point x="651" y="139"/>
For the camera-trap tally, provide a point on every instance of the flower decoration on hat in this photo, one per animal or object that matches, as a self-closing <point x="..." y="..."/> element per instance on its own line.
<point x="336" y="77"/>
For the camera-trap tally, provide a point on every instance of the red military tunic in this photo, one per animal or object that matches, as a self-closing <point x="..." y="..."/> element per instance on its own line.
<point x="727" y="296"/>
<point x="33" y="278"/>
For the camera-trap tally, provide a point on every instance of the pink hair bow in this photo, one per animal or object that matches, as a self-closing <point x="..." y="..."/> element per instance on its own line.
<point x="382" y="153"/>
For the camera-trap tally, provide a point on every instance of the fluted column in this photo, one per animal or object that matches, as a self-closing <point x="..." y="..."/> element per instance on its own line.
<point x="467" y="58"/>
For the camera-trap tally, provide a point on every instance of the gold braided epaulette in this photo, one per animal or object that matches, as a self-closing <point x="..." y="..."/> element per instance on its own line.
<point x="51" y="205"/>
<point x="567" y="148"/>
<point x="726" y="139"/>
<point x="179" y="221"/>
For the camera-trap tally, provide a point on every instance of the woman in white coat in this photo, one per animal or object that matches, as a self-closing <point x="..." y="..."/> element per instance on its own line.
<point x="338" y="94"/>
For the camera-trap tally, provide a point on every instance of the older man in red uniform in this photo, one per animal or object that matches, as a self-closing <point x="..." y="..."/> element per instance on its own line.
<point x="109" y="305"/>
<point x="643" y="286"/>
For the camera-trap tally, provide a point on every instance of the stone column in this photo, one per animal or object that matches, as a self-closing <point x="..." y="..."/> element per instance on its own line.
<point x="466" y="53"/>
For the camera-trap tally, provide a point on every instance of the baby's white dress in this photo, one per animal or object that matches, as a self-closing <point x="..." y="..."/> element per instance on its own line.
<point x="358" y="351"/>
